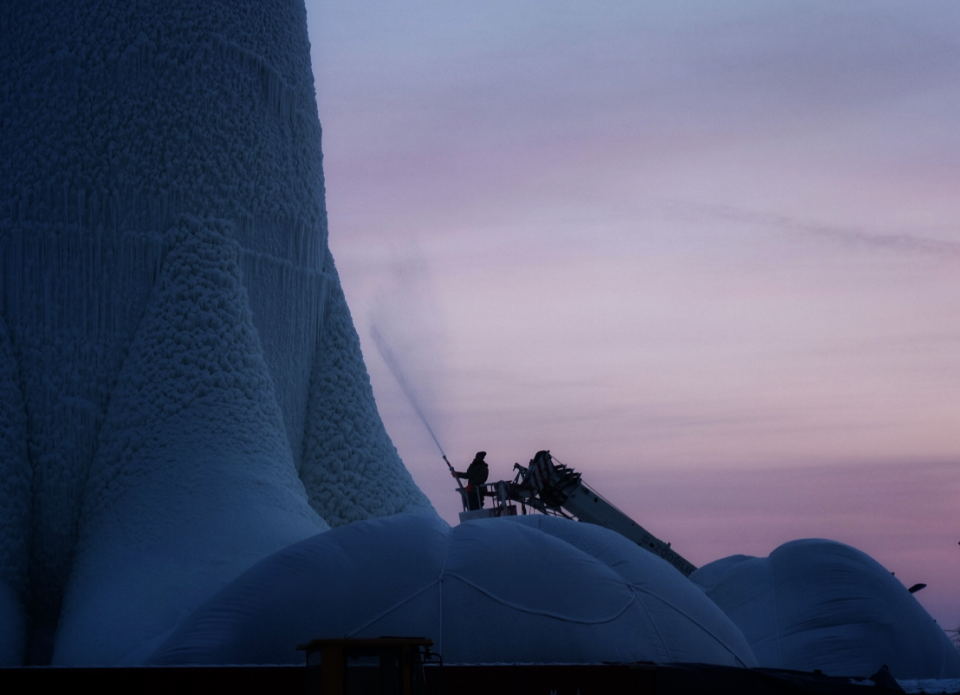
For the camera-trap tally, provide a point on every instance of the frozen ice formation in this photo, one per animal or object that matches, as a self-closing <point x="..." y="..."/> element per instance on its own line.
<point x="344" y="448"/>
<point x="817" y="604"/>
<point x="15" y="506"/>
<point x="193" y="475"/>
<point x="134" y="136"/>
<point x="525" y="590"/>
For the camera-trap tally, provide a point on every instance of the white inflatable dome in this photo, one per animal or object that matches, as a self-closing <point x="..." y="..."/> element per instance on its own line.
<point x="818" y="604"/>
<point x="530" y="590"/>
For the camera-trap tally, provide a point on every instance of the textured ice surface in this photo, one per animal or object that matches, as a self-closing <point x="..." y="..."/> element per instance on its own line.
<point x="817" y="604"/>
<point x="528" y="590"/>
<point x="193" y="480"/>
<point x="15" y="506"/>
<point x="350" y="467"/>
<point x="118" y="119"/>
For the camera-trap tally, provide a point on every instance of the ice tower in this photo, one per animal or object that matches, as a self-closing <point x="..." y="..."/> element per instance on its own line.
<point x="174" y="341"/>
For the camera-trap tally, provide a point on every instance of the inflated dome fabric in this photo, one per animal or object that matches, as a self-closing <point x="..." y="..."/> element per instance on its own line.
<point x="819" y="604"/>
<point x="525" y="590"/>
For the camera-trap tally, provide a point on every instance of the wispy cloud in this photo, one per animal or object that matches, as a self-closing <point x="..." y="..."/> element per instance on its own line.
<point x="898" y="241"/>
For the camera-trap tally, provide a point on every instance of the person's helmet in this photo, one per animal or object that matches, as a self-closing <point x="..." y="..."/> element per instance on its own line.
<point x="481" y="454"/>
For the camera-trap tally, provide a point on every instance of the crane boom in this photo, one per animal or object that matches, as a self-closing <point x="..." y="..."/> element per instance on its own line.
<point x="589" y="506"/>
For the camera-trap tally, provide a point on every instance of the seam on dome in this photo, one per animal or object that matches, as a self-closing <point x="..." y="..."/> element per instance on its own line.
<point x="392" y="608"/>
<point x="443" y="570"/>
<point x="653" y="622"/>
<point x="694" y="621"/>
<point x="549" y="614"/>
<point x="943" y="658"/>
<point x="776" y="617"/>
<point x="635" y="590"/>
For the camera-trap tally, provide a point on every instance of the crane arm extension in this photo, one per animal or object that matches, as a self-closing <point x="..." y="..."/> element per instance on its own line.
<point x="588" y="506"/>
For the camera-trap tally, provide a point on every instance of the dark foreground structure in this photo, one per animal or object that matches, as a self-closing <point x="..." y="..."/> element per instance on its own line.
<point x="602" y="679"/>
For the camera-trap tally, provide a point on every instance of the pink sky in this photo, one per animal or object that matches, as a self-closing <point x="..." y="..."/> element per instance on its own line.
<point x="707" y="255"/>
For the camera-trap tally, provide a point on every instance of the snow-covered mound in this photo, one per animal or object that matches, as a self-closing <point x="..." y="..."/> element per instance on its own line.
<point x="818" y="604"/>
<point x="118" y="119"/>
<point x="15" y="506"/>
<point x="530" y="590"/>
<point x="193" y="481"/>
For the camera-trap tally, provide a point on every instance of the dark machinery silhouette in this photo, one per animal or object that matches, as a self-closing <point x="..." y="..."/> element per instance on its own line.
<point x="552" y="488"/>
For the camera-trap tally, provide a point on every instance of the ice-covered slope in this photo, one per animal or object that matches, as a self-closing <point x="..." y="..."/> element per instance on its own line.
<point x="523" y="590"/>
<point x="15" y="506"/>
<point x="817" y="604"/>
<point x="117" y="119"/>
<point x="193" y="480"/>
<point x="350" y="467"/>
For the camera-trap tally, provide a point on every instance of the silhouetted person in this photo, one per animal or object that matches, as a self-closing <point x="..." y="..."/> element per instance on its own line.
<point x="476" y="476"/>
